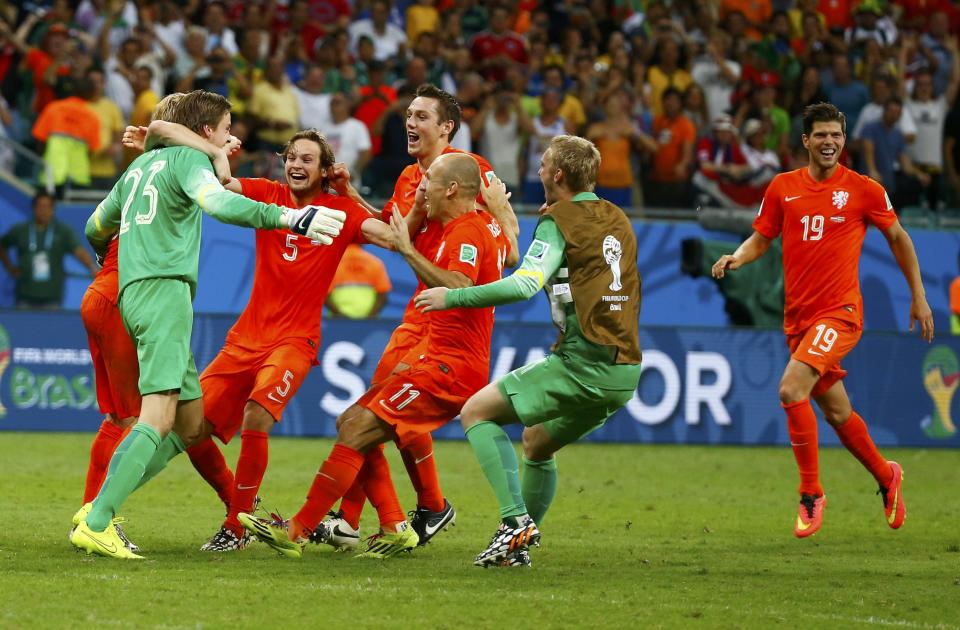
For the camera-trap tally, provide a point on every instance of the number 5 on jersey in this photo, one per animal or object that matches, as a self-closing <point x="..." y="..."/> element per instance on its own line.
<point x="282" y="390"/>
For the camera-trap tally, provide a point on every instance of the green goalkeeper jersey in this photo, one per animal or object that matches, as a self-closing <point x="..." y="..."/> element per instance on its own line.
<point x="156" y="207"/>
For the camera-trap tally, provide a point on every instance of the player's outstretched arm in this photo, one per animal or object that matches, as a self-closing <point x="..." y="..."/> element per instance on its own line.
<point x="749" y="250"/>
<point x="902" y="247"/>
<point x="498" y="204"/>
<point x="541" y="262"/>
<point x="198" y="182"/>
<point x="161" y="132"/>
<point x="430" y="274"/>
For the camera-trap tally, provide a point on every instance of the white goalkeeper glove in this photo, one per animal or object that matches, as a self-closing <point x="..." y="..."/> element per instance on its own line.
<point x="318" y="223"/>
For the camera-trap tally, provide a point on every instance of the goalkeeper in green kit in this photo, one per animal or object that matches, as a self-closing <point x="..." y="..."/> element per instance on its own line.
<point x="156" y="208"/>
<point x="584" y="253"/>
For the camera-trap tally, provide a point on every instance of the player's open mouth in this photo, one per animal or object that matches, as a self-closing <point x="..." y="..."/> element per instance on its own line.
<point x="412" y="138"/>
<point x="298" y="177"/>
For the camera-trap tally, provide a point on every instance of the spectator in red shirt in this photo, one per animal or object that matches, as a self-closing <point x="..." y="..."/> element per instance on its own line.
<point x="494" y="50"/>
<point x="375" y="98"/>
<point x="46" y="63"/>
<point x="718" y="155"/>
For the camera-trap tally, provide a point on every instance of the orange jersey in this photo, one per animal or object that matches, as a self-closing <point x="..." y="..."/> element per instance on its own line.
<point x="823" y="226"/>
<point x="428" y="240"/>
<point x="460" y="338"/>
<point x="107" y="280"/>
<point x="291" y="276"/>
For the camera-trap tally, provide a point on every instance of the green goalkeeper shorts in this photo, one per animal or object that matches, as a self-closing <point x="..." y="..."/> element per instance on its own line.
<point x="547" y="393"/>
<point x="158" y="314"/>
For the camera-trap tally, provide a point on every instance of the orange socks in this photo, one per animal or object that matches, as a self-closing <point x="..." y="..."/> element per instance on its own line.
<point x="335" y="477"/>
<point x="854" y="435"/>
<point x="251" y="465"/>
<point x="422" y="467"/>
<point x="108" y="436"/>
<point x="378" y="485"/>
<point x="208" y="461"/>
<point x="802" y="426"/>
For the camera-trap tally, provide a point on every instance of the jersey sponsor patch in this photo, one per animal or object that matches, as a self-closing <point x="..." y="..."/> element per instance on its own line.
<point x="468" y="254"/>
<point x="886" y="198"/>
<point x="538" y="249"/>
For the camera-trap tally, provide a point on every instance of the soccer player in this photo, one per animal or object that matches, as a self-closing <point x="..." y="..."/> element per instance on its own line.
<point x="428" y="394"/>
<point x="273" y="345"/>
<point x="822" y="212"/>
<point x="433" y="119"/>
<point x="115" y="364"/>
<point x="584" y="254"/>
<point x="167" y="189"/>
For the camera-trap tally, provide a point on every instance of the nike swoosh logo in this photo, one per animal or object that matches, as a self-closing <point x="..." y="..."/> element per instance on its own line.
<point x="112" y="548"/>
<point x="792" y="198"/>
<point x="801" y="525"/>
<point x="427" y="456"/>
<point x="893" y="510"/>
<point x="814" y="352"/>
<point x="304" y="222"/>
<point x="320" y="474"/>
<point x="246" y="487"/>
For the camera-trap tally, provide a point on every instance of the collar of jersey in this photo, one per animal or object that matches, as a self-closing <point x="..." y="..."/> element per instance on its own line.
<point x="832" y="181"/>
<point x="585" y="196"/>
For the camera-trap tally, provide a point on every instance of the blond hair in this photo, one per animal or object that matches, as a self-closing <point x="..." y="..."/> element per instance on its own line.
<point x="579" y="160"/>
<point x="166" y="107"/>
<point x="198" y="109"/>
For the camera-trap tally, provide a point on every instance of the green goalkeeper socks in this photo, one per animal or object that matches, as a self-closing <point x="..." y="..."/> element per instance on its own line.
<point x="539" y="486"/>
<point x="170" y="447"/>
<point x="498" y="461"/>
<point x="126" y="468"/>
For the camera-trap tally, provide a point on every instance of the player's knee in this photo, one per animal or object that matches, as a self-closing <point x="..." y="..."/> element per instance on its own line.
<point x="470" y="415"/>
<point x="535" y="447"/>
<point x="256" y="418"/>
<point x="836" y="414"/>
<point x="791" y="393"/>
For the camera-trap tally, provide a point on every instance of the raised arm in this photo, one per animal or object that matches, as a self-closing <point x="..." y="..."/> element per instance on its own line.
<point x="430" y="274"/>
<point x="902" y="247"/>
<point x="541" y="262"/>
<point x="161" y="132"/>
<point x="749" y="250"/>
<point x="498" y="204"/>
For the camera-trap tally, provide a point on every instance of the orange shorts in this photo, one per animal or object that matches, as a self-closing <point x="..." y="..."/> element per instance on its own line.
<point x="417" y="401"/>
<point x="114" y="356"/>
<point x="406" y="344"/>
<point x="268" y="377"/>
<point x="822" y="347"/>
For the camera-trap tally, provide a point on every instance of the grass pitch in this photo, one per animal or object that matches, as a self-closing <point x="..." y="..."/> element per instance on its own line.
<point x="639" y="536"/>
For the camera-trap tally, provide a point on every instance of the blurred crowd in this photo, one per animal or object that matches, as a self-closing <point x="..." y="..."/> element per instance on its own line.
<point x="691" y="102"/>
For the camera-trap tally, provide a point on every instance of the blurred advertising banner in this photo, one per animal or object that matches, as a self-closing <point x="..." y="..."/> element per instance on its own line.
<point x="699" y="385"/>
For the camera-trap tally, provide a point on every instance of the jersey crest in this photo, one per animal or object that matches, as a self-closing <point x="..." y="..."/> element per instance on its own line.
<point x="840" y="198"/>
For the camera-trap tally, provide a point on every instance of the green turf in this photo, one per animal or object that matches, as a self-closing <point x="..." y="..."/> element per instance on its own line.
<point x="639" y="536"/>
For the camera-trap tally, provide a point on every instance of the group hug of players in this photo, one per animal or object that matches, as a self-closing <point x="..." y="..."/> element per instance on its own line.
<point x="451" y="220"/>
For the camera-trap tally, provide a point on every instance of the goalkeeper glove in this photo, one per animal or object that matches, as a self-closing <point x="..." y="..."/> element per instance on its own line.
<point x="318" y="223"/>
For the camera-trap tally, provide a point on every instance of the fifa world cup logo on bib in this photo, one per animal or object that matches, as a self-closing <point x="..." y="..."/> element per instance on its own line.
<point x="611" y="254"/>
<point x="941" y="377"/>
